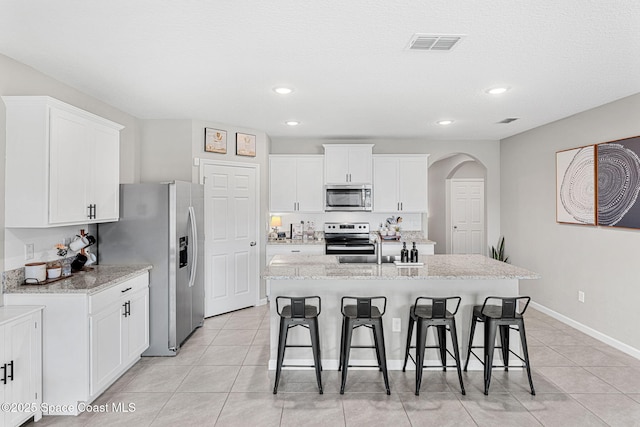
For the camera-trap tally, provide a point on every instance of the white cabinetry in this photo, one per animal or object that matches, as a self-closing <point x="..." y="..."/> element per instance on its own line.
<point x="90" y="340"/>
<point x="20" y="364"/>
<point x="62" y="164"/>
<point x="347" y="163"/>
<point x="400" y="183"/>
<point x="296" y="183"/>
<point x="293" y="249"/>
<point x="119" y="330"/>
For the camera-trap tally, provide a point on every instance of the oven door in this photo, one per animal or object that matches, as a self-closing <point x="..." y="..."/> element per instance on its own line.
<point x="350" y="249"/>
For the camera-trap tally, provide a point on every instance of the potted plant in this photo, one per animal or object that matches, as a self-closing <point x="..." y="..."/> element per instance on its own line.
<point x="498" y="253"/>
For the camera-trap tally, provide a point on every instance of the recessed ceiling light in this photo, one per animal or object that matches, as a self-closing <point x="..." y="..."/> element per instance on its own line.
<point x="445" y="122"/>
<point x="282" y="90"/>
<point x="292" y="123"/>
<point x="497" y="90"/>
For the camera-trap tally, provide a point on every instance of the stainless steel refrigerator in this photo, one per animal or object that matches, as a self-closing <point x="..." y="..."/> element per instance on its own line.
<point x="162" y="225"/>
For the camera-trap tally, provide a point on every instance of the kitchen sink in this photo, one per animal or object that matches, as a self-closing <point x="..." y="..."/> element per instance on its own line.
<point x="366" y="259"/>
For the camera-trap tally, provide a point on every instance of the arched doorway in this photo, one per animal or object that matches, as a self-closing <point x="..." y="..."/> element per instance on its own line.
<point x="449" y="175"/>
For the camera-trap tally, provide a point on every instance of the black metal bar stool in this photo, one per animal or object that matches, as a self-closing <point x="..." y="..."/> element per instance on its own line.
<point x="436" y="315"/>
<point x="362" y="313"/>
<point x="503" y="316"/>
<point x="299" y="313"/>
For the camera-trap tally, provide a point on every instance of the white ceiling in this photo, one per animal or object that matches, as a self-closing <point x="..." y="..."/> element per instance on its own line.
<point x="346" y="59"/>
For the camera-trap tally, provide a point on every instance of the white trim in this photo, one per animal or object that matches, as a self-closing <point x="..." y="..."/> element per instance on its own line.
<point x="263" y="301"/>
<point x="256" y="166"/>
<point x="631" y="351"/>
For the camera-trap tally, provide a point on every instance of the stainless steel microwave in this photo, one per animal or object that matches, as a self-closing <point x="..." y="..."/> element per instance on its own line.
<point x="348" y="198"/>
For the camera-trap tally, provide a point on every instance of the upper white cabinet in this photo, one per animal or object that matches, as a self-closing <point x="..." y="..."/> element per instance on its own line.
<point x="20" y="364"/>
<point x="400" y="183"/>
<point x="62" y="165"/>
<point x="296" y="183"/>
<point x="347" y="163"/>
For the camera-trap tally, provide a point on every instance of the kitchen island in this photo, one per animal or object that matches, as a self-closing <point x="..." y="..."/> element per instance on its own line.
<point x="472" y="277"/>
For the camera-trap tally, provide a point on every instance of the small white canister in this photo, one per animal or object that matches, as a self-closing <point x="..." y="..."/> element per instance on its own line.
<point x="35" y="272"/>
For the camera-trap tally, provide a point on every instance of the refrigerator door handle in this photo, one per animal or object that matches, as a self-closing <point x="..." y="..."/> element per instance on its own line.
<point x="194" y="245"/>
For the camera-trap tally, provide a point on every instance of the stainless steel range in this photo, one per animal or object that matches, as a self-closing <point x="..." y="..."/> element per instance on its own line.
<point x="348" y="238"/>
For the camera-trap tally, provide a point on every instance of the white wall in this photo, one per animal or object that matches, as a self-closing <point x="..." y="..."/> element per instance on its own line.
<point x="602" y="262"/>
<point x="486" y="152"/>
<point x="19" y="79"/>
<point x="169" y="149"/>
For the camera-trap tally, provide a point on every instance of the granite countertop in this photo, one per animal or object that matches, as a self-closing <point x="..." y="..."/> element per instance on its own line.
<point x="436" y="267"/>
<point x="406" y="236"/>
<point x="89" y="281"/>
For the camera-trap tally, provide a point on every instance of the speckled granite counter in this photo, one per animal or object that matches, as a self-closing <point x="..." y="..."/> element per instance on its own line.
<point x="89" y="281"/>
<point x="285" y="242"/>
<point x="447" y="267"/>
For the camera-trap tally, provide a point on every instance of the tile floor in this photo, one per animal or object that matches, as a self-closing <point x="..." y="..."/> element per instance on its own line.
<point x="220" y="378"/>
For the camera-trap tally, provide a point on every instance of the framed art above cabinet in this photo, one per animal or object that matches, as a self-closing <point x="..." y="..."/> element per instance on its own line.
<point x="63" y="164"/>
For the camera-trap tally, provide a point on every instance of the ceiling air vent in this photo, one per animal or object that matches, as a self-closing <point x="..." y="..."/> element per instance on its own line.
<point x="508" y="120"/>
<point x="439" y="42"/>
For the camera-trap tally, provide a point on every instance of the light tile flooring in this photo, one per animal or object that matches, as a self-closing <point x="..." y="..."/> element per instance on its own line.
<point x="220" y="378"/>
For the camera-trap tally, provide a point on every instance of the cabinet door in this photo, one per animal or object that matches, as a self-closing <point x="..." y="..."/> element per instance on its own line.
<point x="413" y="184"/>
<point x="336" y="164"/>
<point x="310" y="184"/>
<point x="4" y="416"/>
<point x="360" y="165"/>
<point x="282" y="184"/>
<point x="107" y="342"/>
<point x="105" y="173"/>
<point x="69" y="162"/>
<point x="22" y="346"/>
<point x="137" y="325"/>
<point x="385" y="184"/>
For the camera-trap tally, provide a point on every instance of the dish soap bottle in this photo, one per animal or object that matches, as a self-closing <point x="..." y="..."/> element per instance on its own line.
<point x="404" y="253"/>
<point x="414" y="253"/>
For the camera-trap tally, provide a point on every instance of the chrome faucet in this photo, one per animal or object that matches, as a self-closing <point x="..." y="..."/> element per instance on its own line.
<point x="379" y="249"/>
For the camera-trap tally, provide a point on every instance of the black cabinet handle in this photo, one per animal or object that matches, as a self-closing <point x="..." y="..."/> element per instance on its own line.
<point x="125" y="309"/>
<point x="10" y="376"/>
<point x="125" y="290"/>
<point x="128" y="308"/>
<point x="4" y="373"/>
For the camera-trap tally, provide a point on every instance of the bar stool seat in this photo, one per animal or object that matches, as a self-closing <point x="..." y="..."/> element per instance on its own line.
<point x="436" y="315"/>
<point x="362" y="313"/>
<point x="506" y="316"/>
<point x="299" y="313"/>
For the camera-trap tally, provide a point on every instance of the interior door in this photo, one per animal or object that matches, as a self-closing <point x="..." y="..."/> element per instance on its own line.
<point x="467" y="216"/>
<point x="231" y="251"/>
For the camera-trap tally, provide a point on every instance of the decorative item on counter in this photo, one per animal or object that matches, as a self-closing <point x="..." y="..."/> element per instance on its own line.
<point x="65" y="264"/>
<point x="35" y="272"/>
<point x="311" y="230"/>
<point x="54" y="271"/>
<point x="297" y="229"/>
<point x="414" y="253"/>
<point x="78" y="262"/>
<point x="276" y="221"/>
<point x="404" y="253"/>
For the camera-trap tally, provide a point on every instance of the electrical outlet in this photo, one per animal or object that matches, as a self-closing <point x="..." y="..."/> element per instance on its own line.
<point x="28" y="251"/>
<point x="396" y="325"/>
<point x="580" y="296"/>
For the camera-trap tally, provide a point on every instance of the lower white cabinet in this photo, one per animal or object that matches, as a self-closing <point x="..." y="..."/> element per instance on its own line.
<point x="293" y="249"/>
<point x="119" y="332"/>
<point x="20" y="364"/>
<point x="89" y="341"/>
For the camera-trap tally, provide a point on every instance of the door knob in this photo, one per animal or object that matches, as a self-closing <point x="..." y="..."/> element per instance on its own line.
<point x="252" y="244"/>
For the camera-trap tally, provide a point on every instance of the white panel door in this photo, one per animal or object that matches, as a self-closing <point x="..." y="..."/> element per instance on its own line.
<point x="231" y="252"/>
<point x="467" y="217"/>
<point x="22" y="347"/>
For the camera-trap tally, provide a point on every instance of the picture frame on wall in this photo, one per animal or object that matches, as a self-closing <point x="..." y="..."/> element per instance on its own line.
<point x="215" y="141"/>
<point x="245" y="144"/>
<point x="618" y="176"/>
<point x="576" y="186"/>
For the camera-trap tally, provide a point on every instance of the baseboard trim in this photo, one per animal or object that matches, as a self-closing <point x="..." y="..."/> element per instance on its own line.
<point x="262" y="301"/>
<point x="625" y="348"/>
